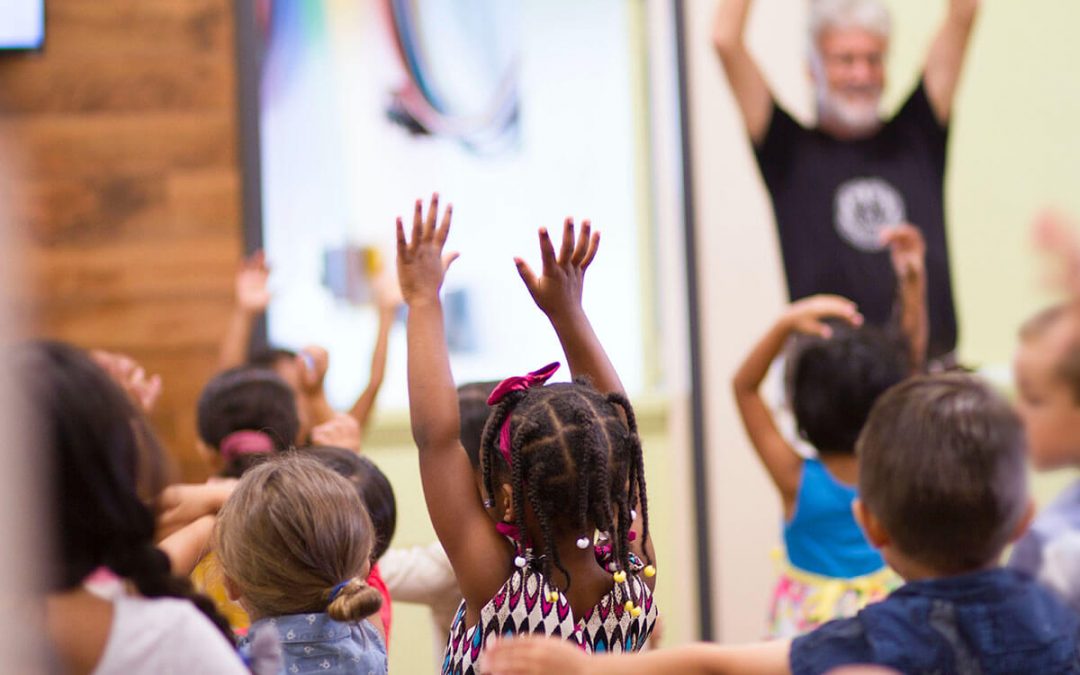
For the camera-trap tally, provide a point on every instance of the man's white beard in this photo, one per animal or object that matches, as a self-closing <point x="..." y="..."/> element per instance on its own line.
<point x="859" y="120"/>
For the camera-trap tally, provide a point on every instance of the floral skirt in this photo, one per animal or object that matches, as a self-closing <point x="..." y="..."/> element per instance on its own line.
<point x="802" y="601"/>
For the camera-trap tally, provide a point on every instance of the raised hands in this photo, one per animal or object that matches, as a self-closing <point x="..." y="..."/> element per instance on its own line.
<point x="252" y="292"/>
<point x="143" y="390"/>
<point x="559" y="286"/>
<point x="809" y="315"/>
<point x="1057" y="237"/>
<point x="342" y="431"/>
<point x="907" y="249"/>
<point x="313" y="362"/>
<point x="421" y="262"/>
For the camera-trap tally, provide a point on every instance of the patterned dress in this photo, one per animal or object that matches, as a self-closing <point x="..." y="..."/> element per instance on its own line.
<point x="521" y="606"/>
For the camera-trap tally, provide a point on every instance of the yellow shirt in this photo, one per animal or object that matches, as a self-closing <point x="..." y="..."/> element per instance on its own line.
<point x="209" y="581"/>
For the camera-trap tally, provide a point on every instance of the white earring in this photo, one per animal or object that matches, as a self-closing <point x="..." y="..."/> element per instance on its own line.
<point x="583" y="543"/>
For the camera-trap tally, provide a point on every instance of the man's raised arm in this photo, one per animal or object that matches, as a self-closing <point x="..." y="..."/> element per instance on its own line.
<point x="946" y="58"/>
<point x="747" y="83"/>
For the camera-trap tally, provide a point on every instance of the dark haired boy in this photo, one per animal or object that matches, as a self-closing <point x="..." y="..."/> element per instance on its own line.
<point x="944" y="490"/>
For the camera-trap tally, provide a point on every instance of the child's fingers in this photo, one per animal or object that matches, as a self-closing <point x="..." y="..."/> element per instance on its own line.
<point x="432" y="214"/>
<point x="594" y="244"/>
<point x="547" y="252"/>
<point x="444" y="230"/>
<point x="567" y="248"/>
<point x="526" y="274"/>
<point x="417" y="224"/>
<point x="402" y="245"/>
<point x="582" y="245"/>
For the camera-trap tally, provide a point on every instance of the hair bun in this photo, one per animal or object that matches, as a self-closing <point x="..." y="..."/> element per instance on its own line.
<point x="355" y="601"/>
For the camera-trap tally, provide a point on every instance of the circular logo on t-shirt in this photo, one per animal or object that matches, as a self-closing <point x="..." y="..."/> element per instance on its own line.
<point x="864" y="207"/>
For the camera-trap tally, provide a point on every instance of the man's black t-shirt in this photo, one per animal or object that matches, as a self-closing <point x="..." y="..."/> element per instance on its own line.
<point x="832" y="198"/>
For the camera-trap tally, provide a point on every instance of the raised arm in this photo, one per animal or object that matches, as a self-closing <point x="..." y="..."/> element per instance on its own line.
<point x="252" y="299"/>
<point x="187" y="546"/>
<point x="946" y="58"/>
<point x="781" y="461"/>
<point x="557" y="292"/>
<point x="908" y="252"/>
<point x="389" y="299"/>
<point x="533" y="655"/>
<point x="747" y="83"/>
<point x="476" y="551"/>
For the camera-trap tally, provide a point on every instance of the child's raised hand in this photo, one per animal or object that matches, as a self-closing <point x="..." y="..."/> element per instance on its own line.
<point x="313" y="362"/>
<point x="421" y="262"/>
<point x="143" y="390"/>
<point x="562" y="277"/>
<point x="252" y="292"/>
<point x="1056" y="236"/>
<point x="809" y="315"/>
<point x="907" y="248"/>
<point x="342" y="431"/>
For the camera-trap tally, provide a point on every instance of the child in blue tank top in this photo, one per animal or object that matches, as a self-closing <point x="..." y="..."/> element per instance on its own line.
<point x="840" y="369"/>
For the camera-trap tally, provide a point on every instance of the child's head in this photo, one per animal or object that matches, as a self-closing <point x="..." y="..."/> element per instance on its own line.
<point x="103" y="467"/>
<point x="835" y="382"/>
<point x="245" y="414"/>
<point x="474" y="411"/>
<point x="575" y="466"/>
<point x="295" y="538"/>
<point x="1047" y="369"/>
<point x="941" y="475"/>
<point x="371" y="484"/>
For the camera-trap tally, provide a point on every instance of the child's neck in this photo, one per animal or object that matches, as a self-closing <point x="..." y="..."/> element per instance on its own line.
<point x="590" y="581"/>
<point x="842" y="467"/>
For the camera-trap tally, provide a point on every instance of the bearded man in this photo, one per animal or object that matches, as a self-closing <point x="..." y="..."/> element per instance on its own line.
<point x="836" y="186"/>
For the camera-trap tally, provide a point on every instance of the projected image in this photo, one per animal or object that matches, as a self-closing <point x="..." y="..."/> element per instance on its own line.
<point x="22" y="24"/>
<point x="519" y="113"/>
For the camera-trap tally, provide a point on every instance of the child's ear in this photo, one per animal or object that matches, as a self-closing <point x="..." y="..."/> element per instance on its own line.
<point x="871" y="526"/>
<point x="1025" y="522"/>
<point x="507" y="494"/>
<point x="210" y="456"/>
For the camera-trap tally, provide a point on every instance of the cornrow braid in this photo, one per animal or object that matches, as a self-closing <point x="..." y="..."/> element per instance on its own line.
<point x="569" y="446"/>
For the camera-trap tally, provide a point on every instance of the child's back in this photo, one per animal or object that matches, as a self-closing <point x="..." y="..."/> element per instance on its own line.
<point x="559" y="464"/>
<point x="995" y="621"/>
<point x="836" y="376"/>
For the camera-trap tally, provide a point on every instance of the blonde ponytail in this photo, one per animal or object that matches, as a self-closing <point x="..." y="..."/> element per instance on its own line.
<point x="353" y="601"/>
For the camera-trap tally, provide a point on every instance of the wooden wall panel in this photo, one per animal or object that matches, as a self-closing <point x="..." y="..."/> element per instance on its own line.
<point x="128" y="187"/>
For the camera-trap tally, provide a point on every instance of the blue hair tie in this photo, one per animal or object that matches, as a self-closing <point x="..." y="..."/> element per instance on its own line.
<point x="336" y="590"/>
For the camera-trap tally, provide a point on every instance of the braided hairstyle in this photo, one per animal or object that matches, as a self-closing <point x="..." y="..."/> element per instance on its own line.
<point x="104" y="465"/>
<point x="569" y="446"/>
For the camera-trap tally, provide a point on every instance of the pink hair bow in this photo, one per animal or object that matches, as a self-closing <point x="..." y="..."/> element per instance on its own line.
<point x="536" y="378"/>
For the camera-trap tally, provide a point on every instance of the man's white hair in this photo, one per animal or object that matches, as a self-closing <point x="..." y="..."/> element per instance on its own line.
<point x="870" y="15"/>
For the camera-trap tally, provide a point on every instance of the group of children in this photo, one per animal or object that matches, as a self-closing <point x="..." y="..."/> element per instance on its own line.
<point x="894" y="523"/>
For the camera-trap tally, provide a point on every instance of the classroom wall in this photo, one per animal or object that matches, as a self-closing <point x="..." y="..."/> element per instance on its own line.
<point x="1014" y="148"/>
<point x="129" y="196"/>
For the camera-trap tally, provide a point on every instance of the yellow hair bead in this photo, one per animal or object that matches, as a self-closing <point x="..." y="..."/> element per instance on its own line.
<point x="629" y="606"/>
<point x="553" y="596"/>
<point x="620" y="577"/>
<point x="635" y="612"/>
<point x="649" y="571"/>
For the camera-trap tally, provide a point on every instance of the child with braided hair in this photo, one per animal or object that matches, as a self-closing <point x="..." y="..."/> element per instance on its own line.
<point x="559" y="463"/>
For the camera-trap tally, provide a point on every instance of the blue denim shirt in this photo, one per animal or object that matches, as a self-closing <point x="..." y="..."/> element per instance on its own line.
<point x="315" y="643"/>
<point x="997" y="621"/>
